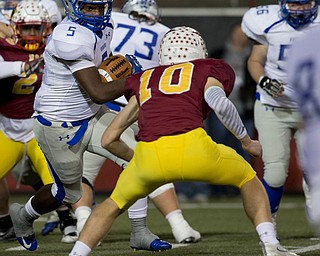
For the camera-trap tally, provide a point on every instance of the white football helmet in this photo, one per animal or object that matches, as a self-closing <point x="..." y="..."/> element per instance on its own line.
<point x="142" y="10"/>
<point x="30" y="14"/>
<point x="181" y="44"/>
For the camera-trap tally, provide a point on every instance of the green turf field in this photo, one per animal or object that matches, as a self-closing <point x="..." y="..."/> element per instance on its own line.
<point x="224" y="227"/>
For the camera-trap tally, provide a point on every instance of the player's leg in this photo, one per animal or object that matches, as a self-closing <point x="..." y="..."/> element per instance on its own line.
<point x="129" y="188"/>
<point x="39" y="167"/>
<point x="10" y="154"/>
<point x="141" y="237"/>
<point x="67" y="171"/>
<point x="274" y="135"/>
<point x="91" y="166"/>
<point x="309" y="147"/>
<point x="6" y="227"/>
<point x="165" y="199"/>
<point x="221" y="165"/>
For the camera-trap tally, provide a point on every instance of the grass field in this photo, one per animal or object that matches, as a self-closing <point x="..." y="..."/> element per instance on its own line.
<point x="223" y="224"/>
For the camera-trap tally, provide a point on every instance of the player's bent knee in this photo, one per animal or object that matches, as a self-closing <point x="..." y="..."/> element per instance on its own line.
<point x="275" y="178"/>
<point x="72" y="193"/>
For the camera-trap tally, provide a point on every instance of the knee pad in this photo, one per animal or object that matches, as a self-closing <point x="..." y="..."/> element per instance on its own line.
<point x="160" y="190"/>
<point x="275" y="175"/>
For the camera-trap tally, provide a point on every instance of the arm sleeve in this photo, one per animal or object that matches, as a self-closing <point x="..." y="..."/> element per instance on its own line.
<point x="225" y="111"/>
<point x="9" y="68"/>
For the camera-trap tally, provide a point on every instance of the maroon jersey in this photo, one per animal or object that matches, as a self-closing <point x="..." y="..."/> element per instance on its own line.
<point x="178" y="93"/>
<point x="17" y="93"/>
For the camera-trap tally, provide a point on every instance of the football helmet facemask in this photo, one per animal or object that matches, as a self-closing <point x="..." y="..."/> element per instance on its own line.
<point x="142" y="11"/>
<point x="31" y="24"/>
<point x="181" y="44"/>
<point x="96" y="23"/>
<point x="300" y="16"/>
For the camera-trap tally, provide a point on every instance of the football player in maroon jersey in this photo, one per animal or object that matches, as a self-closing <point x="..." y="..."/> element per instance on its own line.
<point x="175" y="147"/>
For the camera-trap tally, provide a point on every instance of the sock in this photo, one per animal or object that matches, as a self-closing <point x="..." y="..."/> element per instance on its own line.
<point x="63" y="213"/>
<point x="267" y="233"/>
<point x="82" y="214"/>
<point x="29" y="212"/>
<point x="5" y="222"/>
<point x="274" y="195"/>
<point x="138" y="209"/>
<point x="175" y="218"/>
<point x="80" y="249"/>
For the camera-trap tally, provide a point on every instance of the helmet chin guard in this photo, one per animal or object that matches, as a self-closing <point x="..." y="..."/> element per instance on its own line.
<point x="181" y="44"/>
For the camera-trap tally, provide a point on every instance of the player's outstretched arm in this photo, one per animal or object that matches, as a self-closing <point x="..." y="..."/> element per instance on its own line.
<point x="111" y="138"/>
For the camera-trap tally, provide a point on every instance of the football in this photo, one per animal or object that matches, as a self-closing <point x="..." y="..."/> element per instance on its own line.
<point x="114" y="68"/>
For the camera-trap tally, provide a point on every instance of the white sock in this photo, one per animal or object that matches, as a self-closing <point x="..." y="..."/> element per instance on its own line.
<point x="4" y="215"/>
<point x="138" y="209"/>
<point x="82" y="213"/>
<point x="30" y="210"/>
<point x="80" y="249"/>
<point x="267" y="233"/>
<point x="175" y="218"/>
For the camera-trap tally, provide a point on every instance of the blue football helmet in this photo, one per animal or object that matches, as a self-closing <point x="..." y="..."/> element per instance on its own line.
<point x="93" y="22"/>
<point x="298" y="18"/>
<point x="142" y="10"/>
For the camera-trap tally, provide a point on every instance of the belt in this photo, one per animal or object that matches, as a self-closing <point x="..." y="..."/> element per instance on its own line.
<point x="115" y="106"/>
<point x="79" y="133"/>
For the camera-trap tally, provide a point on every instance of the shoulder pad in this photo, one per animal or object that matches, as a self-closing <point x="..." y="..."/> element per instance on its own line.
<point x="72" y="41"/>
<point x="257" y="20"/>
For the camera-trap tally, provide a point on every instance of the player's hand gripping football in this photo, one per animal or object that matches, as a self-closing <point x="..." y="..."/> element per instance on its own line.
<point x="114" y="68"/>
<point x="272" y="86"/>
<point x="253" y="147"/>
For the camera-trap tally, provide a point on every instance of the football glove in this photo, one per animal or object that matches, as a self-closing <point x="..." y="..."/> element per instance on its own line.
<point x="32" y="67"/>
<point x="136" y="66"/>
<point x="272" y="86"/>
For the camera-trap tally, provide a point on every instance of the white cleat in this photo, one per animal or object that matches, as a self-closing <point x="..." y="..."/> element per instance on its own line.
<point x="183" y="233"/>
<point x="69" y="235"/>
<point x="275" y="250"/>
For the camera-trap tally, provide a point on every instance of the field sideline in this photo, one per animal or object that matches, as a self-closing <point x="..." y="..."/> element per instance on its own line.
<point x="223" y="224"/>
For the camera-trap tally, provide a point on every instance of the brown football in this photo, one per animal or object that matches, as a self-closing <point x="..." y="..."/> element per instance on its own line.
<point x="114" y="68"/>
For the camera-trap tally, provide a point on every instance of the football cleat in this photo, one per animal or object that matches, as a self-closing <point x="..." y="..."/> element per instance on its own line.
<point x="160" y="245"/>
<point x="28" y="242"/>
<point x="183" y="233"/>
<point x="156" y="245"/>
<point x="69" y="230"/>
<point x="69" y="235"/>
<point x="51" y="224"/>
<point x="23" y="228"/>
<point x="7" y="234"/>
<point x="275" y="250"/>
<point x="144" y="239"/>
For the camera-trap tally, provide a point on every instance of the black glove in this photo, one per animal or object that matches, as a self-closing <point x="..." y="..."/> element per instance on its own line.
<point x="272" y="86"/>
<point x="32" y="67"/>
